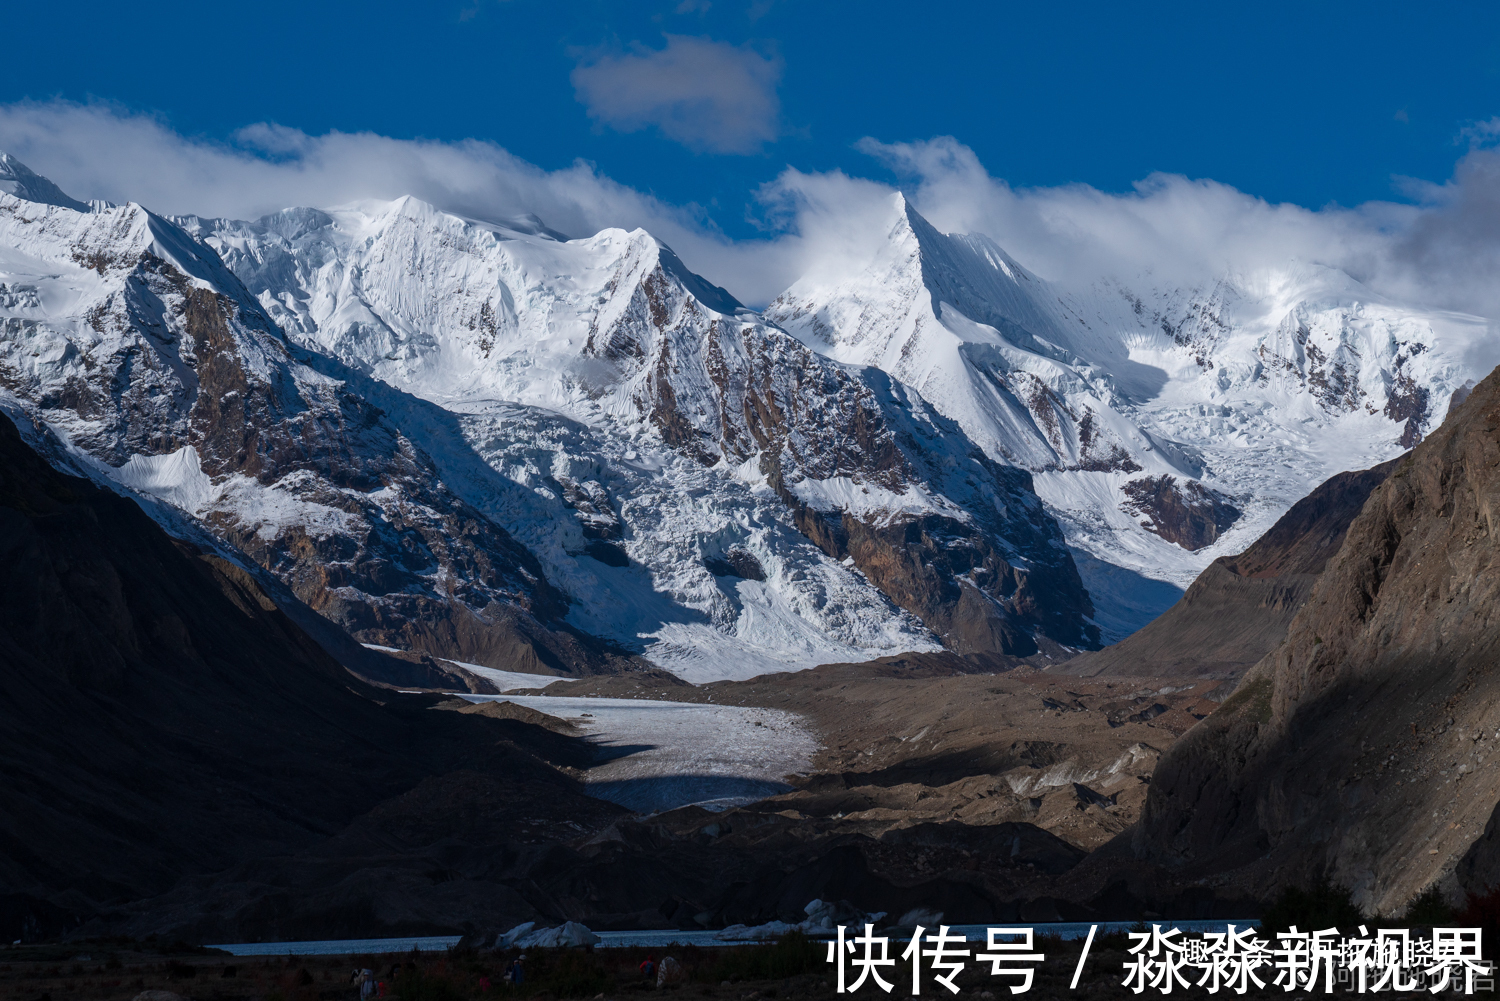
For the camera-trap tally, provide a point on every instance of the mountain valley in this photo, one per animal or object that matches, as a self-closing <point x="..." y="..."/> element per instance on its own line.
<point x="971" y="592"/>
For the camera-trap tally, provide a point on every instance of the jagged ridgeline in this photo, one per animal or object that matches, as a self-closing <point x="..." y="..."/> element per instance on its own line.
<point x="1166" y="425"/>
<point x="518" y="452"/>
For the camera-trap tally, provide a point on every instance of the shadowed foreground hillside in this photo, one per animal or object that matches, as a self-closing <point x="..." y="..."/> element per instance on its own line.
<point x="1364" y="745"/>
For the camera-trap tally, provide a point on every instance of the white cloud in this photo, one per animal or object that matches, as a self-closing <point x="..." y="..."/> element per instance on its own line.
<point x="1443" y="250"/>
<point x="709" y="96"/>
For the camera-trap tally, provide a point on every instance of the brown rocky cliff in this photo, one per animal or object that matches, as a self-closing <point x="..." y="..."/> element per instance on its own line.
<point x="989" y="574"/>
<point x="1363" y="746"/>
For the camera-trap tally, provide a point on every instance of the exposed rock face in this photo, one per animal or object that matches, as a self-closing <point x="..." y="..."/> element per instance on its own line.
<point x="933" y="521"/>
<point x="1192" y="516"/>
<point x="1362" y="746"/>
<point x="992" y="575"/>
<point x="738" y="562"/>
<point x="1240" y="607"/>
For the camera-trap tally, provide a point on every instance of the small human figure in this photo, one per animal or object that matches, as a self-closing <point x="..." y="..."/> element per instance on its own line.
<point x="366" y="985"/>
<point x="484" y="985"/>
<point x="648" y="968"/>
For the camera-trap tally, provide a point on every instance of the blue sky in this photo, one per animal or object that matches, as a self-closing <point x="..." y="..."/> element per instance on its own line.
<point x="764" y="140"/>
<point x="703" y="102"/>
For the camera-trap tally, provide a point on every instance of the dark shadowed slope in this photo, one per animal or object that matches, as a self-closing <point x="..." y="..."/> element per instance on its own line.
<point x="160" y="717"/>
<point x="1239" y="608"/>
<point x="1363" y="746"/>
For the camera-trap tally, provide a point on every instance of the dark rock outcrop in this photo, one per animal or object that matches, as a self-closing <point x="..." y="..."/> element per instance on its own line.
<point x="1192" y="516"/>
<point x="1240" y="607"/>
<point x="1362" y="747"/>
<point x="737" y="562"/>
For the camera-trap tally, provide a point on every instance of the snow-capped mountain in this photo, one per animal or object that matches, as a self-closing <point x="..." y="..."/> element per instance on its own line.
<point x="695" y="431"/>
<point x="1165" y="426"/>
<point x="134" y="344"/>
<point x="488" y="443"/>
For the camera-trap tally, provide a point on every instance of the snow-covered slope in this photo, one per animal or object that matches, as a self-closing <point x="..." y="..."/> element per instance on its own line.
<point x="487" y="441"/>
<point x="517" y="451"/>
<point x="21" y="181"/>
<point x="1255" y="389"/>
<point x="139" y="349"/>
<point x="685" y="435"/>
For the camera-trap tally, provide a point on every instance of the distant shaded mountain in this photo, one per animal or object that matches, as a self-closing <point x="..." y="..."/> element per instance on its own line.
<point x="1240" y="607"/>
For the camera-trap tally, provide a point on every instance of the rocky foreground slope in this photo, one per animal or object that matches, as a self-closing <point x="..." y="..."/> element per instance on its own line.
<point x="182" y="758"/>
<point x="1363" y="746"/>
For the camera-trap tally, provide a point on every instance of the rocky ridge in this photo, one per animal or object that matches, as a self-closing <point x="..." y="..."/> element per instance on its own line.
<point x="134" y="344"/>
<point x="618" y="335"/>
<point x="515" y="450"/>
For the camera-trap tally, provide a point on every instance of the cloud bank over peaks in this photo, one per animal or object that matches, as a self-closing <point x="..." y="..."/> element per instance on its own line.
<point x="102" y="151"/>
<point x="709" y="96"/>
<point x="1440" y="250"/>
<point x="1436" y="252"/>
